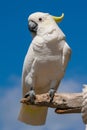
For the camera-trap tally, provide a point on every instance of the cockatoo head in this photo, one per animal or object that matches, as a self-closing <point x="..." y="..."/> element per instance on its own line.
<point x="39" y="23"/>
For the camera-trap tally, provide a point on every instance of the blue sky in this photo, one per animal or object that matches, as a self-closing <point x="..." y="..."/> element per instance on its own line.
<point x="15" y="39"/>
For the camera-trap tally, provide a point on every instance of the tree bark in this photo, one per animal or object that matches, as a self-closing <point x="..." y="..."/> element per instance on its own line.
<point x="63" y="102"/>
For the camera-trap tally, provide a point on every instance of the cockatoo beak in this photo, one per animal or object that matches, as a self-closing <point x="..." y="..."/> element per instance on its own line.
<point x="32" y="26"/>
<point x="58" y="19"/>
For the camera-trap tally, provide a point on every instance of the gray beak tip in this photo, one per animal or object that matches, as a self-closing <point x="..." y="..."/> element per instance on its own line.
<point x="32" y="26"/>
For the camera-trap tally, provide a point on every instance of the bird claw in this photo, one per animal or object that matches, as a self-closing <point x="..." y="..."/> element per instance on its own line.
<point x="51" y="94"/>
<point x="32" y="96"/>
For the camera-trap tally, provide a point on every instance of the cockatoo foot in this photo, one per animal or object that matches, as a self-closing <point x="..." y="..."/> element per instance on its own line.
<point x="32" y="96"/>
<point x="51" y="94"/>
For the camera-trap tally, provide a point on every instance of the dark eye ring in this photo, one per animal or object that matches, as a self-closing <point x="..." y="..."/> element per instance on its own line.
<point x="40" y="19"/>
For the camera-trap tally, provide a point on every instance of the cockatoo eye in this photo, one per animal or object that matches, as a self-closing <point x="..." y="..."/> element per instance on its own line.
<point x="40" y="19"/>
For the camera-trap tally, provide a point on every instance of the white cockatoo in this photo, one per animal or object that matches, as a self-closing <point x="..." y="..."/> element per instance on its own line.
<point x="44" y="65"/>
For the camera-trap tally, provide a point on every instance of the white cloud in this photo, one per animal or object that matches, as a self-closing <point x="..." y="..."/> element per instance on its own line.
<point x="86" y="127"/>
<point x="70" y="85"/>
<point x="10" y="104"/>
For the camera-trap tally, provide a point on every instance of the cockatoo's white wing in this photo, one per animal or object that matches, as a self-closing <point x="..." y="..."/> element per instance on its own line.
<point x="30" y="114"/>
<point x="66" y="53"/>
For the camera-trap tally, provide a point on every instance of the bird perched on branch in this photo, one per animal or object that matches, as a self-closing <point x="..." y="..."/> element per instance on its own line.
<point x="44" y="65"/>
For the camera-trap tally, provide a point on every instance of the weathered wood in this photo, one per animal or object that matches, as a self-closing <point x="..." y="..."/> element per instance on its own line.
<point x="84" y="105"/>
<point x="63" y="102"/>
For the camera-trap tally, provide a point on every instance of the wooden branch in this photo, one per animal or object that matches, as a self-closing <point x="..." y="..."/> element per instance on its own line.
<point x="63" y="102"/>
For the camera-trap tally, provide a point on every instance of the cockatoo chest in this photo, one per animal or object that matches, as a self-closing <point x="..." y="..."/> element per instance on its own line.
<point x="48" y="64"/>
<point x="47" y="49"/>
